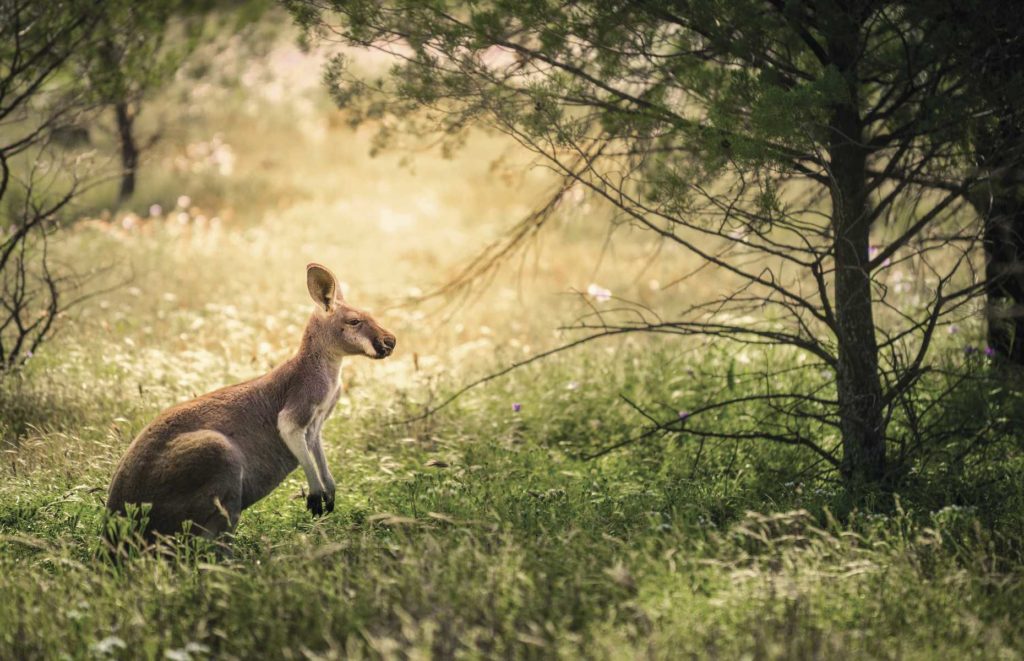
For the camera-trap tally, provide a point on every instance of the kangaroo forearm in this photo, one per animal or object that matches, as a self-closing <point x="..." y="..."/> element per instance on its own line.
<point x="294" y="436"/>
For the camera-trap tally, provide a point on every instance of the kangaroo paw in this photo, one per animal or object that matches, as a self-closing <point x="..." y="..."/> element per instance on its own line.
<point x="315" y="503"/>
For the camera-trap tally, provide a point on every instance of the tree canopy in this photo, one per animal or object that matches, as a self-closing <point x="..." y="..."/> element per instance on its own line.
<point x="801" y="148"/>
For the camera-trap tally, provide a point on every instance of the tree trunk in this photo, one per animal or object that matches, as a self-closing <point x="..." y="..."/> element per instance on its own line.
<point x="858" y="387"/>
<point x="129" y="150"/>
<point x="1004" y="271"/>
<point x="1001" y="206"/>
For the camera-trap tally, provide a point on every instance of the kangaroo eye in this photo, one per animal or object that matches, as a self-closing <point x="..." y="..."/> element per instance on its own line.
<point x="354" y="322"/>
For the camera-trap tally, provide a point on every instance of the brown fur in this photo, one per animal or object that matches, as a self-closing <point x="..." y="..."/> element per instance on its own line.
<point x="206" y="460"/>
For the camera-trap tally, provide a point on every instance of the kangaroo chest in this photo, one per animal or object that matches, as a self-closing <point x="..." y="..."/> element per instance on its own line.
<point x="295" y="438"/>
<point x="322" y="409"/>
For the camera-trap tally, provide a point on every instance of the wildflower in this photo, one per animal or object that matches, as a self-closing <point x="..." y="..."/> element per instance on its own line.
<point x="155" y="210"/>
<point x="572" y="385"/>
<point x="516" y="407"/>
<point x="598" y="293"/>
<point x="990" y="352"/>
<point x="576" y="194"/>
<point x="184" y="201"/>
<point x="108" y="645"/>
<point x="953" y="329"/>
<point x="968" y="350"/>
<point x="873" y="251"/>
<point x="683" y="415"/>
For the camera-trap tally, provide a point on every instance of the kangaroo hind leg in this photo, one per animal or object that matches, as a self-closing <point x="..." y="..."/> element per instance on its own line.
<point x="203" y="484"/>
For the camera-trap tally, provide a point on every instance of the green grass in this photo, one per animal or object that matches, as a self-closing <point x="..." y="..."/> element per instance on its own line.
<point x="478" y="532"/>
<point x="509" y="547"/>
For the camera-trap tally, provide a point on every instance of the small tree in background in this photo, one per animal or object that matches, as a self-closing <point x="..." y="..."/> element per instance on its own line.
<point x="37" y="100"/>
<point x="803" y="149"/>
<point x="138" y="48"/>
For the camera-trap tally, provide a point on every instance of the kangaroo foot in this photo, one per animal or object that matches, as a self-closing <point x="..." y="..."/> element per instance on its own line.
<point x="318" y="503"/>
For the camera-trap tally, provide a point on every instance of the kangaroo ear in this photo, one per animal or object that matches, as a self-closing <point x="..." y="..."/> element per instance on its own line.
<point x="322" y="285"/>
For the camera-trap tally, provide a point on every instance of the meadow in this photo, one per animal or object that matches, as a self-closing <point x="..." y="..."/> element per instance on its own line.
<point x="487" y="529"/>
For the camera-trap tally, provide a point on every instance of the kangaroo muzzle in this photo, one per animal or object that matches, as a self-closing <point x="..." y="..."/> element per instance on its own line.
<point x="384" y="345"/>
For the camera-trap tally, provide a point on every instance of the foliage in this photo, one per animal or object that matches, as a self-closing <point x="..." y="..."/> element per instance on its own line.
<point x="989" y="52"/>
<point x="133" y="57"/>
<point x="797" y="148"/>
<point x="137" y="49"/>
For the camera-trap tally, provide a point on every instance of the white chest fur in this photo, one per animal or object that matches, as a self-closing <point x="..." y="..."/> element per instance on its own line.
<point x="303" y="440"/>
<point x="323" y="409"/>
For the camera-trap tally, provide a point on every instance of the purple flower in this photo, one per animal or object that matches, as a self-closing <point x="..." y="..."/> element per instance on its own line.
<point x="968" y="350"/>
<point x="873" y="252"/>
<point x="953" y="329"/>
<point x="683" y="415"/>
<point x="516" y="407"/>
<point x="990" y="352"/>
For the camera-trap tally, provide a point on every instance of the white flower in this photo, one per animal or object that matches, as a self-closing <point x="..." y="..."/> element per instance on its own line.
<point x="599" y="293"/>
<point x="155" y="210"/>
<point x="108" y="645"/>
<point x="184" y="201"/>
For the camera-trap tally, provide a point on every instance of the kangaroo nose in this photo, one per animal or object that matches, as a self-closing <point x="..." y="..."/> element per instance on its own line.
<point x="385" y="345"/>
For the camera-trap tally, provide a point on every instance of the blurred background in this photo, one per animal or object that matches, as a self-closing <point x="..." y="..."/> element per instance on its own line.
<point x="247" y="171"/>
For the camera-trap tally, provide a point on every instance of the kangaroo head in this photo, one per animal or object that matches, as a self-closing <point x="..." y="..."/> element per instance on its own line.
<point x="339" y="328"/>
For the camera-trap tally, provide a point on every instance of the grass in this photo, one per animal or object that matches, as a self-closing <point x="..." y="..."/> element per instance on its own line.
<point x="482" y="535"/>
<point x="480" y="532"/>
<point x="507" y="548"/>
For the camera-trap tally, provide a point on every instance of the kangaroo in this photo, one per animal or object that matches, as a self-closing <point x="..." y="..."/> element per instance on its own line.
<point x="206" y="460"/>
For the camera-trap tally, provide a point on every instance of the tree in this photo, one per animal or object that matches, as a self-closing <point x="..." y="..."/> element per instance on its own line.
<point x="779" y="141"/>
<point x="132" y="57"/>
<point x="37" y="40"/>
<point x="989" y="53"/>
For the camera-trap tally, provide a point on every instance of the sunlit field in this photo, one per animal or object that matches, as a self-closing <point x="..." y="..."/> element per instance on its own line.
<point x="488" y="528"/>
